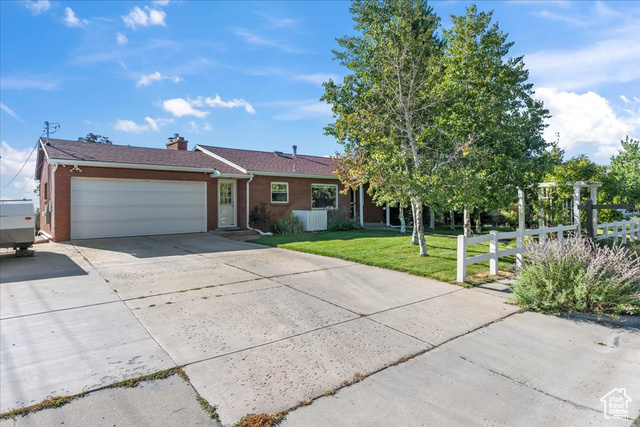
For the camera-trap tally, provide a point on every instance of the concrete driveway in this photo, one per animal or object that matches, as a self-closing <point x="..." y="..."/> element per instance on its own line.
<point x="261" y="330"/>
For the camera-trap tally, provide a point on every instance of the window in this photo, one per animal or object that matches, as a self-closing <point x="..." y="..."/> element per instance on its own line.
<point x="324" y="196"/>
<point x="46" y="191"/>
<point x="279" y="192"/>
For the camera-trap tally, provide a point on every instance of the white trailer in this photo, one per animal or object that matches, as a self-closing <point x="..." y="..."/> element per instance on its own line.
<point x="17" y="226"/>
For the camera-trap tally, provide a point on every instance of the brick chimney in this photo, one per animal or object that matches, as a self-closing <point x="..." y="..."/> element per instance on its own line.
<point x="177" y="142"/>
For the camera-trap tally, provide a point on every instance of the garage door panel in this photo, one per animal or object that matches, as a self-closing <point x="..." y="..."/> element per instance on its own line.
<point x="118" y="207"/>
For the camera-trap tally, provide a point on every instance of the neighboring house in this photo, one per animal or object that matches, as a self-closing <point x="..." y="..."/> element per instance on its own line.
<point x="90" y="190"/>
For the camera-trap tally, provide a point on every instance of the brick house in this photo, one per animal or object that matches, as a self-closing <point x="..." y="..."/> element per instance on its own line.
<point x="90" y="190"/>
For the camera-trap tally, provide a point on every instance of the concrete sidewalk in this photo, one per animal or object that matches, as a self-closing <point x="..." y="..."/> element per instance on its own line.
<point x="260" y="330"/>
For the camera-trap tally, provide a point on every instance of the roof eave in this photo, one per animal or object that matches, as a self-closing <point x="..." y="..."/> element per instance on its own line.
<point x="130" y="165"/>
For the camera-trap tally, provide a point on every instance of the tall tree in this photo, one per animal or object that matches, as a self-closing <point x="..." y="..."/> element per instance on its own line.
<point x="492" y="113"/>
<point x="92" y="137"/>
<point x="385" y="109"/>
<point x="625" y="172"/>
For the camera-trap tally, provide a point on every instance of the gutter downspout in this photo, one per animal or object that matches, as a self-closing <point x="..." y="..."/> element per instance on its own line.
<point x="53" y="200"/>
<point x="262" y="233"/>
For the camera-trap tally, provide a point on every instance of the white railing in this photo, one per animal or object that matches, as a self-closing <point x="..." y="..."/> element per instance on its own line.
<point x="619" y="230"/>
<point x="494" y="254"/>
<point x="315" y="220"/>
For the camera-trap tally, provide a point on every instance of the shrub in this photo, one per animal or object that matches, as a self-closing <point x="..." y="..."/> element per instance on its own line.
<point x="340" y="220"/>
<point x="291" y="225"/>
<point x="578" y="275"/>
<point x="260" y="217"/>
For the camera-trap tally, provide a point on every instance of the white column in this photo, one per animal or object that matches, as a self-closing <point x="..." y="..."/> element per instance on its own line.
<point x="432" y="219"/>
<point x="361" y="191"/>
<point x="541" y="210"/>
<point x="388" y="216"/>
<point x="594" y="199"/>
<point x="521" y="201"/>
<point x="576" y="209"/>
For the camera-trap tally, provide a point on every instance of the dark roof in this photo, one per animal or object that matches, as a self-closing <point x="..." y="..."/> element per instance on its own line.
<point x="94" y="152"/>
<point x="249" y="160"/>
<point x="265" y="161"/>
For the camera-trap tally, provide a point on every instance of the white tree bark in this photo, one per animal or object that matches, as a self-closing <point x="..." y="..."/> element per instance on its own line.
<point x="452" y="216"/>
<point x="417" y="223"/>
<point x="432" y="219"/>
<point x="414" y="232"/>
<point x="478" y="223"/>
<point x="466" y="223"/>
<point x="403" y="226"/>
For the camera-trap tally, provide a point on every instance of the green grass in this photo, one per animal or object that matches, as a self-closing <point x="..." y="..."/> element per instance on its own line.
<point x="393" y="251"/>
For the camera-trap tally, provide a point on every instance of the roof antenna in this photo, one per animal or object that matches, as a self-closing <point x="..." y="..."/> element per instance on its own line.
<point x="295" y="156"/>
<point x="47" y="128"/>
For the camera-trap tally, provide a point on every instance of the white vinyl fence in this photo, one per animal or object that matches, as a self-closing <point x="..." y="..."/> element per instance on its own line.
<point x="620" y="231"/>
<point x="494" y="254"/>
<point x="315" y="220"/>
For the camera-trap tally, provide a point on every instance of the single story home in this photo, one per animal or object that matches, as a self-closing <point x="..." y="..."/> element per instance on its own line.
<point x="91" y="190"/>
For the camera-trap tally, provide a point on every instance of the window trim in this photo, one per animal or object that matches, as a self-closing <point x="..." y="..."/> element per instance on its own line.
<point x="324" y="185"/>
<point x="286" y="184"/>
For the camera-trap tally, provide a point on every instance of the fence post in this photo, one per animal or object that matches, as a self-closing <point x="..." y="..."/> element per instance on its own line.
<point x="542" y="236"/>
<point x="462" y="258"/>
<point x="605" y="231"/>
<point x="493" y="250"/>
<point x="615" y="231"/>
<point x="519" y="246"/>
<point x="560" y="232"/>
<point x="624" y="232"/>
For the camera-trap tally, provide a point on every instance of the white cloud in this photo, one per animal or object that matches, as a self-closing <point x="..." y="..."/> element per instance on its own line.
<point x="299" y="110"/>
<point x="181" y="107"/>
<point x="148" y="79"/>
<point x="133" y="127"/>
<point x="39" y="6"/>
<point x="10" y="112"/>
<point x="161" y="2"/>
<point x="587" y="120"/>
<point x="144" y="18"/>
<point x="316" y="78"/>
<point x="41" y="82"/>
<point x="279" y="22"/>
<point x="194" y="127"/>
<point x="611" y="57"/>
<point x="185" y="107"/>
<point x="233" y="103"/>
<point x="121" y="38"/>
<point x="206" y="126"/>
<point x="71" y="20"/>
<point x="257" y="40"/>
<point x="11" y="160"/>
<point x="625" y="99"/>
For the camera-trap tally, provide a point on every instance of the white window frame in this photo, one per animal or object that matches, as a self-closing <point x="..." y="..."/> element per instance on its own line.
<point x="286" y="184"/>
<point x="324" y="185"/>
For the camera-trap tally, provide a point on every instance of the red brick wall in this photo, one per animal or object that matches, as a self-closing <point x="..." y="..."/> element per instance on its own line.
<point x="299" y="194"/>
<point x="63" y="191"/>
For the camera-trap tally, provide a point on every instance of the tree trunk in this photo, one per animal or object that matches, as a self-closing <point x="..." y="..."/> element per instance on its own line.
<point x="466" y="223"/>
<point x="403" y="226"/>
<point x="452" y="217"/>
<point x="414" y="233"/>
<point x="478" y="223"/>
<point x="418" y="225"/>
<point x="432" y="219"/>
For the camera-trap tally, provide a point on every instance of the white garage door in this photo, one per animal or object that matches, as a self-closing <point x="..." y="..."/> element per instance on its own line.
<point x="122" y="207"/>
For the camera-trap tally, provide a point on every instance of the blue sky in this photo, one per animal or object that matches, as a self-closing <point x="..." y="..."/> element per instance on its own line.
<point x="249" y="74"/>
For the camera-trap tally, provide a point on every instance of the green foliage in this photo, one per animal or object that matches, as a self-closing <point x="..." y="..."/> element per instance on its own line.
<point x="290" y="225"/>
<point x="260" y="217"/>
<point x="491" y="113"/>
<point x="99" y="139"/>
<point x="341" y="220"/>
<point x="576" y="275"/>
<point x="624" y="183"/>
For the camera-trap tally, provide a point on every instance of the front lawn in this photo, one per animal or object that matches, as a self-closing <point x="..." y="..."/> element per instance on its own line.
<point x="391" y="250"/>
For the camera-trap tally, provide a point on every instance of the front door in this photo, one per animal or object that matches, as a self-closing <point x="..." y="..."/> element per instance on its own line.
<point x="226" y="203"/>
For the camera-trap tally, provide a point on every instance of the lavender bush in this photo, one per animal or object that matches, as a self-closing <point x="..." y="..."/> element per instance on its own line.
<point x="578" y="275"/>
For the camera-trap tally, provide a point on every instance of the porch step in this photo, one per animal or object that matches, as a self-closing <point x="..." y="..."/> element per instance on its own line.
<point x="233" y="232"/>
